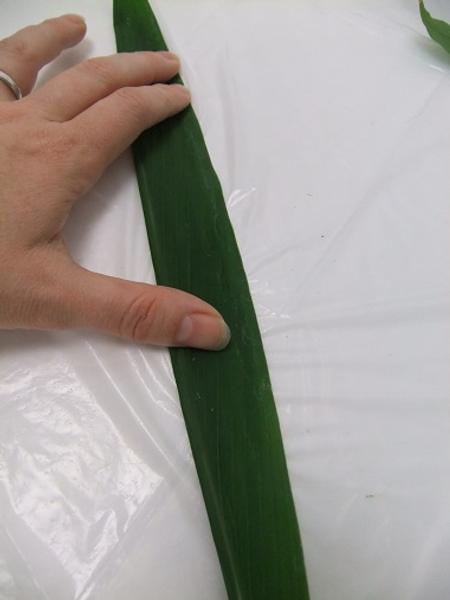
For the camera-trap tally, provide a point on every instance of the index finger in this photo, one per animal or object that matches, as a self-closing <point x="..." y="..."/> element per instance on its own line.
<point x="75" y="90"/>
<point x="24" y="53"/>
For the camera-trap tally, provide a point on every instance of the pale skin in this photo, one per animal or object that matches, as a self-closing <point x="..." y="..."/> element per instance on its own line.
<point x="55" y="143"/>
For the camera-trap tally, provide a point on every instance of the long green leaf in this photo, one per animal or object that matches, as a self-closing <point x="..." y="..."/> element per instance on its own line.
<point x="439" y="30"/>
<point x="226" y="397"/>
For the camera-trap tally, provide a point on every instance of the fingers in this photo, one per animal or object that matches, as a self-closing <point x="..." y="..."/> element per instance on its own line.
<point x="56" y="293"/>
<point x="91" y="114"/>
<point x="75" y="90"/>
<point x="132" y="110"/>
<point x="119" y="96"/>
<point x="23" y="54"/>
<point x="145" y="313"/>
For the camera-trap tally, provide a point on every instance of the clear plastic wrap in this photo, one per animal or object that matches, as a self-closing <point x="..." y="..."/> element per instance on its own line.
<point x="329" y="125"/>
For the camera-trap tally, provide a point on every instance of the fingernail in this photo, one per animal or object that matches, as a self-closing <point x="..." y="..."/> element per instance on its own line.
<point x="169" y="56"/>
<point x="203" y="331"/>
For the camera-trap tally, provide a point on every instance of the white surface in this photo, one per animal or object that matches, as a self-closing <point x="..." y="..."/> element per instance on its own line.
<point x="328" y="123"/>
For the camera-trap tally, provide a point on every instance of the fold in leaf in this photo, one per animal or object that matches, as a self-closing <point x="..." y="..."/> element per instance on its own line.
<point x="439" y="30"/>
<point x="226" y="396"/>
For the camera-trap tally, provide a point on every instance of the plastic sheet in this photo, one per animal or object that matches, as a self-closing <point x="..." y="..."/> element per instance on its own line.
<point x="329" y="126"/>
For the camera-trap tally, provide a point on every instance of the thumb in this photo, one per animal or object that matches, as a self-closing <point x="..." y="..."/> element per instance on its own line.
<point x="144" y="313"/>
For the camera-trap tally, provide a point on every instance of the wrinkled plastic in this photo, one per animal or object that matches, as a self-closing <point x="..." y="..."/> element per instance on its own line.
<point x="328" y="124"/>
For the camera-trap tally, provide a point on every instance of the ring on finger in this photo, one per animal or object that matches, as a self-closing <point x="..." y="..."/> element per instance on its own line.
<point x="11" y="84"/>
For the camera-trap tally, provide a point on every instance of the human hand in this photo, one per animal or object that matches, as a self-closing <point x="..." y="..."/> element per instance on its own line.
<point x="54" y="144"/>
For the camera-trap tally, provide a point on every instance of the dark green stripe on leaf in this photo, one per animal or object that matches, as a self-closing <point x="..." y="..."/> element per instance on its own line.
<point x="226" y="397"/>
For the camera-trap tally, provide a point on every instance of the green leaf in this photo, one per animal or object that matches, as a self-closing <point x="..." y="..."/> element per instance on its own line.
<point x="439" y="30"/>
<point x="226" y="397"/>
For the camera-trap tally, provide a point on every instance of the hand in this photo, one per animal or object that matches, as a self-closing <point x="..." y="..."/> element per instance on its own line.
<point x="54" y="144"/>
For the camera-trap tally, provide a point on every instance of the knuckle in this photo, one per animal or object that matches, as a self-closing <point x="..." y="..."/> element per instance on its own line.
<point x="133" y="101"/>
<point x="35" y="146"/>
<point x="18" y="49"/>
<point x="98" y="68"/>
<point x="161" y="97"/>
<point x="56" y="151"/>
<point x="48" y="144"/>
<point x="143" y="320"/>
<point x="166" y="101"/>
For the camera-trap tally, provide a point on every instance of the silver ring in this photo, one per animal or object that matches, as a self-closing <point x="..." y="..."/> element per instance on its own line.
<point x="11" y="84"/>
